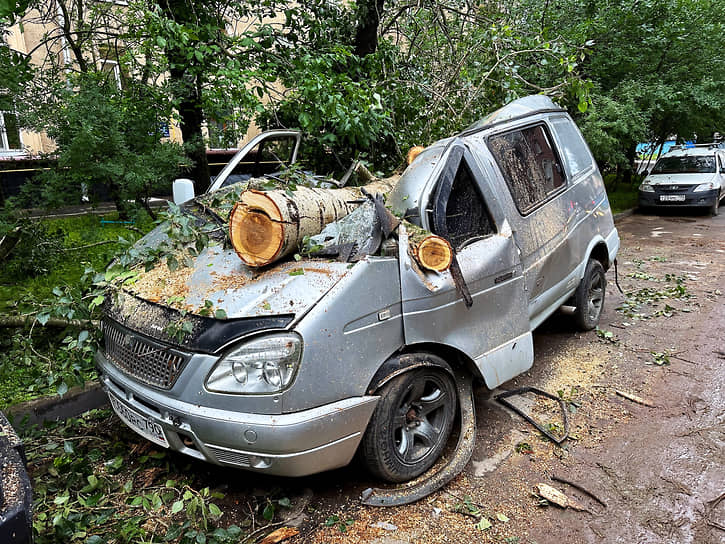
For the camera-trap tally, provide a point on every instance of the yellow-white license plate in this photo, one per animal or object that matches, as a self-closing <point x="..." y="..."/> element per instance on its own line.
<point x="143" y="425"/>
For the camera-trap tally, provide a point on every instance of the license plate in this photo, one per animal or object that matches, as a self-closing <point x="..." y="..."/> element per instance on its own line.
<point x="144" y="426"/>
<point x="672" y="198"/>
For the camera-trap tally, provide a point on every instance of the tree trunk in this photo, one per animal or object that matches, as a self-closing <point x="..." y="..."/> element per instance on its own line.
<point x="186" y="83"/>
<point x="631" y="156"/>
<point x="265" y="226"/>
<point x="192" y="119"/>
<point x="368" y="21"/>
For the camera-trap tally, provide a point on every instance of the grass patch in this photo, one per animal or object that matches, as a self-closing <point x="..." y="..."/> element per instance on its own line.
<point x="53" y="254"/>
<point x="47" y="256"/>
<point x="623" y="197"/>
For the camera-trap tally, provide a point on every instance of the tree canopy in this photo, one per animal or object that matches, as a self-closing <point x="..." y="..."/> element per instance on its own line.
<point x="372" y="78"/>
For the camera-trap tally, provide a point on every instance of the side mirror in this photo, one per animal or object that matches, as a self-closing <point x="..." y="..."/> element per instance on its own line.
<point x="183" y="190"/>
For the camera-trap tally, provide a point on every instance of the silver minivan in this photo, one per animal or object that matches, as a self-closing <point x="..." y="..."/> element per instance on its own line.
<point x="317" y="359"/>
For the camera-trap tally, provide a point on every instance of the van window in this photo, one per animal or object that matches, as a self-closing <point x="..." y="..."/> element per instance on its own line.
<point x="529" y="165"/>
<point x="466" y="215"/>
<point x="573" y="146"/>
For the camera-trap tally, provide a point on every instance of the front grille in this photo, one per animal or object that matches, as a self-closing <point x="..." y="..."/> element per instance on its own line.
<point x="145" y="360"/>
<point x="224" y="455"/>
<point x="674" y="188"/>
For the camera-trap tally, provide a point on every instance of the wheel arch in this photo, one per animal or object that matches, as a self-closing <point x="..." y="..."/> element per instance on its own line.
<point x="600" y="252"/>
<point x="420" y="356"/>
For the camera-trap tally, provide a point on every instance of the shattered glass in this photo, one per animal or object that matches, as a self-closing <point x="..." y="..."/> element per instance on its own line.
<point x="352" y="237"/>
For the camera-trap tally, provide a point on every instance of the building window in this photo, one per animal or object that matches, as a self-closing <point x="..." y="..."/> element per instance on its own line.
<point x="9" y="132"/>
<point x="113" y="70"/>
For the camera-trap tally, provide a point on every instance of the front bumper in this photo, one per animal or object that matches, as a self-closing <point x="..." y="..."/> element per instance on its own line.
<point x="688" y="198"/>
<point x="295" y="444"/>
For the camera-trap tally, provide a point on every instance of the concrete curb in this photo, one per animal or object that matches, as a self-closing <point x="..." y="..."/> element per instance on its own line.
<point x="626" y="213"/>
<point x="73" y="403"/>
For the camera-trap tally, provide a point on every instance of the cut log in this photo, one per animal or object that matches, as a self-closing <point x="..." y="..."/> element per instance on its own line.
<point x="265" y="226"/>
<point x="413" y="152"/>
<point x="429" y="251"/>
<point x="433" y="253"/>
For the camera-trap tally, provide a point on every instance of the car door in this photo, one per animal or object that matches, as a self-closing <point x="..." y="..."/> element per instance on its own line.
<point x="494" y="330"/>
<point x="541" y="215"/>
<point x="266" y="153"/>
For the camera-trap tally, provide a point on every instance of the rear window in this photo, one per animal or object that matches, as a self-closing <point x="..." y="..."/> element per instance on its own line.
<point x="685" y="165"/>
<point x="573" y="146"/>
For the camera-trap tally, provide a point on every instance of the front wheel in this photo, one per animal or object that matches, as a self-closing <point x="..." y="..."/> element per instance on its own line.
<point x="589" y="296"/>
<point x="715" y="208"/>
<point x="410" y="425"/>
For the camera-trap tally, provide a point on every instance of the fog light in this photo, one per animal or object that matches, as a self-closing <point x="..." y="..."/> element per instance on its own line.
<point x="259" y="462"/>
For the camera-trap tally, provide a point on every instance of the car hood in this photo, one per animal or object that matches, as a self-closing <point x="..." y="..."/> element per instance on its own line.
<point x="219" y="284"/>
<point x="679" y="179"/>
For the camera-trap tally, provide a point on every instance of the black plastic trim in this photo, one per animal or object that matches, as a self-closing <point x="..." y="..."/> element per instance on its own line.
<point x="209" y="335"/>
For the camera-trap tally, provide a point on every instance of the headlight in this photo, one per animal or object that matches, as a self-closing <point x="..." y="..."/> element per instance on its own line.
<point x="704" y="187"/>
<point x="646" y="188"/>
<point x="263" y="365"/>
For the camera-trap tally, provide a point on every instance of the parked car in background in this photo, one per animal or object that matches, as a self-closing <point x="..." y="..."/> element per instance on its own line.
<point x="314" y="359"/>
<point x="686" y="176"/>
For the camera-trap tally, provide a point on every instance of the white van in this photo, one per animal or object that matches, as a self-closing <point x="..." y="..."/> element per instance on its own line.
<point x="686" y="176"/>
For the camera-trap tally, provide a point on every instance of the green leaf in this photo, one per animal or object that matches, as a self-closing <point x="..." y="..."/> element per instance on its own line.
<point x="83" y="336"/>
<point x="177" y="507"/>
<point x="484" y="524"/>
<point x="214" y="510"/>
<point x="62" y="499"/>
<point x="220" y="313"/>
<point x="268" y="512"/>
<point x="160" y="41"/>
<point x="284" y="501"/>
<point x="95" y="539"/>
<point x="502" y="517"/>
<point x="62" y="389"/>
<point x="114" y="464"/>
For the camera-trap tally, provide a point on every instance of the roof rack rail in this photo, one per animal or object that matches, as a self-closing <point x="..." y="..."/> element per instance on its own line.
<point x="711" y="145"/>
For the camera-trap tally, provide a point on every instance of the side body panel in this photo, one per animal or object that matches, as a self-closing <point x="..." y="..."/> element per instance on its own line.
<point x="348" y="335"/>
<point x="555" y="239"/>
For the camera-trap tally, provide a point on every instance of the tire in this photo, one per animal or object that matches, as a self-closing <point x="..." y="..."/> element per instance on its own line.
<point x="411" y="424"/>
<point x="715" y="208"/>
<point x="589" y="296"/>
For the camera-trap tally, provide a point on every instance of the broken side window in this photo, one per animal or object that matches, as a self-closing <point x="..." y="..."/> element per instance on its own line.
<point x="529" y="165"/>
<point x="466" y="215"/>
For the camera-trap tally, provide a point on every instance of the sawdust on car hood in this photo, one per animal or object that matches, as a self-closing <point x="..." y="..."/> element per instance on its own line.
<point x="219" y="276"/>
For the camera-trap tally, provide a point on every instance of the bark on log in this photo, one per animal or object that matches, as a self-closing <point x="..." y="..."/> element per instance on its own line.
<point x="265" y="226"/>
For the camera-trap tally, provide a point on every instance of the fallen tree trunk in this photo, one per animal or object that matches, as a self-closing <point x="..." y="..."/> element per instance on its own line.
<point x="265" y="226"/>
